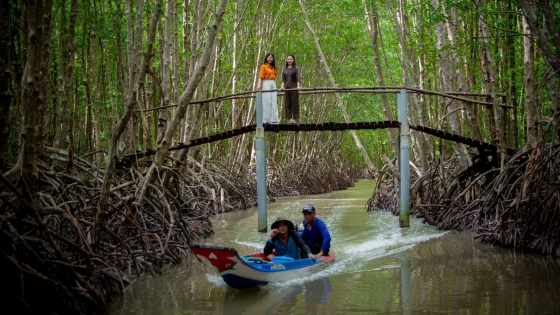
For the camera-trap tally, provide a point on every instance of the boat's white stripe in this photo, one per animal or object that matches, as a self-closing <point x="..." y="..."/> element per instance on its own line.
<point x="242" y="270"/>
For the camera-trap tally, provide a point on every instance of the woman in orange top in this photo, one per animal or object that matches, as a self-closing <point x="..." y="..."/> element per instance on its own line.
<point x="267" y="77"/>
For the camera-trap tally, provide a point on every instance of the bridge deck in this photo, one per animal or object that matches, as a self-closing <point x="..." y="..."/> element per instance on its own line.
<point x="329" y="126"/>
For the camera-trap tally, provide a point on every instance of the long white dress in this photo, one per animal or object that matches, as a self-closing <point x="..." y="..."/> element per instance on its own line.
<point x="269" y="102"/>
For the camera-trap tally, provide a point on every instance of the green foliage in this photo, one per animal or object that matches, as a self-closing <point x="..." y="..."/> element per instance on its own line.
<point x="101" y="64"/>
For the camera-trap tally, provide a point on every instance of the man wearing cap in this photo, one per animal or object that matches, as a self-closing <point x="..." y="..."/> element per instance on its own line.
<point x="315" y="232"/>
<point x="285" y="241"/>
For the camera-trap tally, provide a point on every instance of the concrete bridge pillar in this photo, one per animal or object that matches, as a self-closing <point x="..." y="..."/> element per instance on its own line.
<point x="260" y="148"/>
<point x="404" y="161"/>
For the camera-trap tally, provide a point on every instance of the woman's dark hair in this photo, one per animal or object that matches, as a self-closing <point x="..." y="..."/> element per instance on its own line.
<point x="273" y="64"/>
<point x="294" y="64"/>
<point x="293" y="73"/>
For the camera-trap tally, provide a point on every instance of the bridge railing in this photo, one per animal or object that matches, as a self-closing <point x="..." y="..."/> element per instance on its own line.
<point x="404" y="137"/>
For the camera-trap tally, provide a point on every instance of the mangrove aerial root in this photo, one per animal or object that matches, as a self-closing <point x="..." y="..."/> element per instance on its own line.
<point x="53" y="264"/>
<point x="517" y="207"/>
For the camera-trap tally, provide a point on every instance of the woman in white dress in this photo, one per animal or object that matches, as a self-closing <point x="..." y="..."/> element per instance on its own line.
<point x="267" y="79"/>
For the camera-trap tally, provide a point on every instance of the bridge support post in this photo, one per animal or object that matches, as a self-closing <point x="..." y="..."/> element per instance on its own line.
<point x="404" y="162"/>
<point x="260" y="148"/>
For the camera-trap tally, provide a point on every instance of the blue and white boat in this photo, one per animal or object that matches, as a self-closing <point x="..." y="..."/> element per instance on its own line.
<point x="248" y="271"/>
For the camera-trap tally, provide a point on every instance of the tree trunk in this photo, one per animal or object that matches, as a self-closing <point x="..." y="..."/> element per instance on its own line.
<point x="234" y="141"/>
<point x="185" y="98"/>
<point x="452" y="23"/>
<point x="512" y="86"/>
<point x="252" y="104"/>
<point x="529" y="12"/>
<point x="550" y="48"/>
<point x="554" y="87"/>
<point x="398" y="20"/>
<point x="68" y="84"/>
<point x="60" y="117"/>
<point x="45" y="92"/>
<point x="6" y="95"/>
<point x="448" y="84"/>
<point x="408" y="56"/>
<point x="487" y="63"/>
<point x="193" y="113"/>
<point x="135" y="70"/>
<point x="372" y="23"/>
<point x="123" y="121"/>
<point x="101" y="97"/>
<point x="175" y="78"/>
<point x="38" y="16"/>
<point x="167" y="47"/>
<point x="340" y="103"/>
<point x="196" y="34"/>
<point x="529" y="83"/>
<point x="87" y="55"/>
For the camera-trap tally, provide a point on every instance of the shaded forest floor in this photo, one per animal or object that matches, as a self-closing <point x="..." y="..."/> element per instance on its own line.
<point x="51" y="263"/>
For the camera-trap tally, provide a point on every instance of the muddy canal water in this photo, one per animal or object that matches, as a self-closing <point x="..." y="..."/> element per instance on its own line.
<point x="379" y="269"/>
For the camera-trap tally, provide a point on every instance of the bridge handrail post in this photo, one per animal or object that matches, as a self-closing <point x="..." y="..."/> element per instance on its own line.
<point x="404" y="161"/>
<point x="260" y="150"/>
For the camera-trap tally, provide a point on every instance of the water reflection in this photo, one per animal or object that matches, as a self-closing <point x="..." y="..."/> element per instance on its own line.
<point x="251" y="301"/>
<point x="405" y="281"/>
<point x="316" y="293"/>
<point x="267" y="300"/>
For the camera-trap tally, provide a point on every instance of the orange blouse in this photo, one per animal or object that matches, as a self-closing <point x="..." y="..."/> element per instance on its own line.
<point x="267" y="72"/>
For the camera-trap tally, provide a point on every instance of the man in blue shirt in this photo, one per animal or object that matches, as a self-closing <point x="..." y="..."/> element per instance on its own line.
<point x="315" y="232"/>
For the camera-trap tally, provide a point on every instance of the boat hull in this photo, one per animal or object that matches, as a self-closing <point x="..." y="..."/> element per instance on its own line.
<point x="248" y="271"/>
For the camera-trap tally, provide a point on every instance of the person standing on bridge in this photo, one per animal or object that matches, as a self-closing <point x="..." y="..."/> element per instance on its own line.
<point x="267" y="78"/>
<point x="291" y="79"/>
<point x="315" y="232"/>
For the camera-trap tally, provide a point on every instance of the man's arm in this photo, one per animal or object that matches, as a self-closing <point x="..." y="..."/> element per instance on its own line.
<point x="326" y="237"/>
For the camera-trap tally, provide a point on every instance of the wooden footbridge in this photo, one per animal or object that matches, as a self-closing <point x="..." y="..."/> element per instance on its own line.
<point x="402" y="124"/>
<point x="329" y="126"/>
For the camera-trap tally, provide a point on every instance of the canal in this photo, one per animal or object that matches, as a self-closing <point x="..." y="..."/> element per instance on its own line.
<point x="379" y="269"/>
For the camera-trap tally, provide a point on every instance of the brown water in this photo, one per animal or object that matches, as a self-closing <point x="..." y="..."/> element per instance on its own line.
<point x="379" y="269"/>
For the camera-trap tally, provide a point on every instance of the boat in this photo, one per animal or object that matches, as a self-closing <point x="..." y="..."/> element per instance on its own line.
<point x="252" y="270"/>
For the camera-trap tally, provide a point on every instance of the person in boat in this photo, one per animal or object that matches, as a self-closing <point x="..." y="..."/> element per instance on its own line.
<point x="285" y="241"/>
<point x="315" y="232"/>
